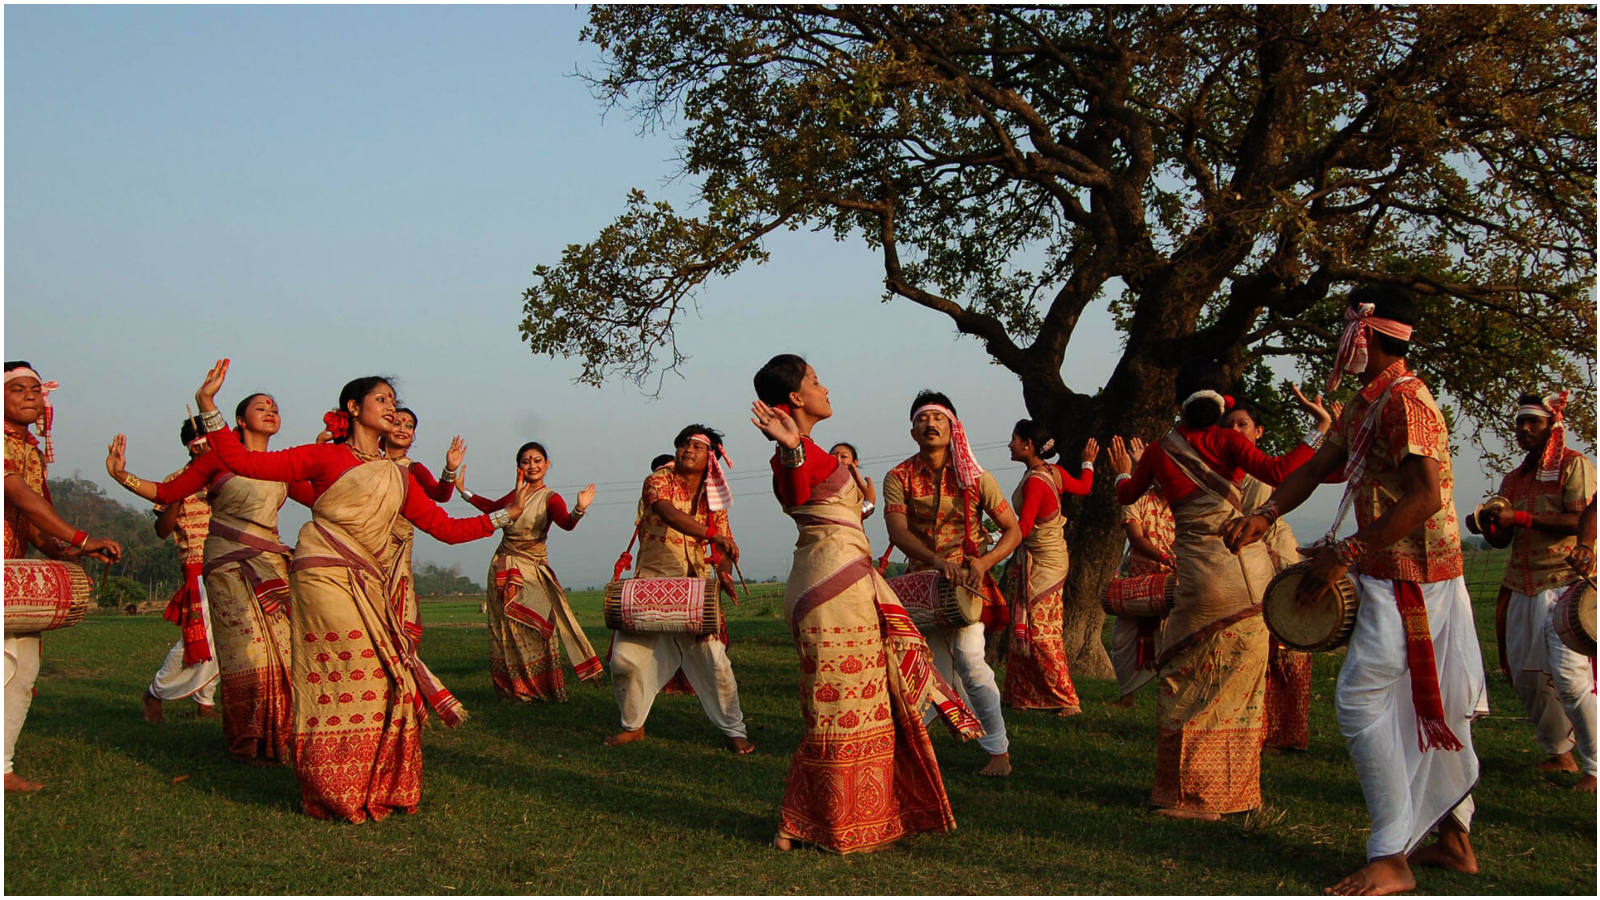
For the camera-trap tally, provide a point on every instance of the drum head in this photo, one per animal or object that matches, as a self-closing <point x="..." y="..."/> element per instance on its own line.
<point x="1586" y="611"/>
<point x="971" y="603"/>
<point x="1297" y="626"/>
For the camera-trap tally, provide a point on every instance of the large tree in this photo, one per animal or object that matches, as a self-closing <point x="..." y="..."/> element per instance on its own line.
<point x="1221" y="174"/>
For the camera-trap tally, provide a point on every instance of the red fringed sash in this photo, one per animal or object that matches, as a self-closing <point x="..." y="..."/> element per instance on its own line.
<point x="1433" y="732"/>
<point x="185" y="610"/>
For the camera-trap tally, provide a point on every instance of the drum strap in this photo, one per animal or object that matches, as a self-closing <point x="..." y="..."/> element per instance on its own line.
<point x="1356" y="465"/>
<point x="624" y="562"/>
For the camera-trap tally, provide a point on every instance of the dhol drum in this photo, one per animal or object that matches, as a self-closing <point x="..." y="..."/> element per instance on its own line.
<point x="1142" y="596"/>
<point x="1573" y="618"/>
<point x="1314" y="627"/>
<point x="44" y="594"/>
<point x="1493" y="501"/>
<point x="934" y="602"/>
<point x="664" y="606"/>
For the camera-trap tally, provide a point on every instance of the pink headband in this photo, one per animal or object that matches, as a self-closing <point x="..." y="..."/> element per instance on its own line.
<point x="967" y="469"/>
<point x="45" y="387"/>
<point x="1352" y="357"/>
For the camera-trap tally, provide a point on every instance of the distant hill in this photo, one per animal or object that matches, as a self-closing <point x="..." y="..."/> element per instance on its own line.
<point x="434" y="580"/>
<point x="146" y="559"/>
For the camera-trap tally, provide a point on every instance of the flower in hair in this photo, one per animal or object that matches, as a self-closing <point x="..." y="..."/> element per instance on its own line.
<point x="338" y="422"/>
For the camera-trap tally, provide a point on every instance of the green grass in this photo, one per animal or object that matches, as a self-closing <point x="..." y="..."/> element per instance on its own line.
<point x="524" y="799"/>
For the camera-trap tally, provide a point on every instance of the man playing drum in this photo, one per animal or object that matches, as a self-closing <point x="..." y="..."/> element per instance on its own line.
<point x="1548" y="494"/>
<point x="1413" y="678"/>
<point x="684" y="507"/>
<point x="934" y="505"/>
<point x="32" y="519"/>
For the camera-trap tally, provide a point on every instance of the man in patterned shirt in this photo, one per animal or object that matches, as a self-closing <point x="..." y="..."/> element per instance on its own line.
<point x="934" y="504"/>
<point x="190" y="669"/>
<point x="1412" y="681"/>
<point x="1548" y="493"/>
<point x="682" y="509"/>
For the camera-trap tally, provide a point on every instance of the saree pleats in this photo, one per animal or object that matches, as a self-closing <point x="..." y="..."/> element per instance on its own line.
<point x="1037" y="675"/>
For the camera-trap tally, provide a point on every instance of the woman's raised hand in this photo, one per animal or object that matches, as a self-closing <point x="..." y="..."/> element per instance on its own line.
<point x="523" y="495"/>
<point x="585" y="497"/>
<point x="116" y="459"/>
<point x="205" y="396"/>
<point x="456" y="453"/>
<point x="1136" y="449"/>
<point x="1121" y="462"/>
<point x="775" y="424"/>
<point x="1091" y="450"/>
<point x="1319" y="413"/>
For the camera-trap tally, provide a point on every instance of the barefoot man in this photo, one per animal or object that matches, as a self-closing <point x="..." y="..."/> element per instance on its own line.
<point x="1413" y="678"/>
<point x="684" y="507"/>
<point x="934" y="505"/>
<point x="1548" y="494"/>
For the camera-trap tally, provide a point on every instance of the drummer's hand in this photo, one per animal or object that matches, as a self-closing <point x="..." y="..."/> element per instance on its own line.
<point x="1321" y="575"/>
<point x="1497" y="517"/>
<point x="103" y="548"/>
<point x="1243" y="530"/>
<point x="730" y="550"/>
<point x="972" y="572"/>
<point x="1581" y="559"/>
<point x="951" y="571"/>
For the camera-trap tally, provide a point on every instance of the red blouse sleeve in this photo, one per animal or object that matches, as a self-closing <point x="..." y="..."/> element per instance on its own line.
<point x="302" y="493"/>
<point x="426" y="514"/>
<point x="196" y="475"/>
<point x="1078" y="485"/>
<point x="438" y="492"/>
<point x="1271" y="470"/>
<point x="320" y="463"/>
<point x="793" y="486"/>
<point x="1130" y="489"/>
<point x="1037" y="499"/>
<point x="486" y="505"/>
<point x="558" y="512"/>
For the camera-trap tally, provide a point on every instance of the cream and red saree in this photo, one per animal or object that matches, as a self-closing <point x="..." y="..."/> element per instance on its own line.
<point x="529" y="616"/>
<point x="247" y="585"/>
<point x="864" y="774"/>
<point x="1037" y="676"/>
<point x="1287" y="703"/>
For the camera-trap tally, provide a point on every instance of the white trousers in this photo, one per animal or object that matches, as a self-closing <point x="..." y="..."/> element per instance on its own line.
<point x="175" y="682"/>
<point x="1409" y="792"/>
<point x="22" y="654"/>
<point x="958" y="655"/>
<point x="1555" y="682"/>
<point x="642" y="664"/>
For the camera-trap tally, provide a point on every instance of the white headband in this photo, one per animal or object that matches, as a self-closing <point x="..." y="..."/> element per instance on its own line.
<point x="1222" y="403"/>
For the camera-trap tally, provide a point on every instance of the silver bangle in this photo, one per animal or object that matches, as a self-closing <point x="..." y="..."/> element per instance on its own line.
<point x="448" y="475"/>
<point x="213" y="421"/>
<point x="792" y="457"/>
<point x="499" y="518"/>
<point x="465" y="494"/>
<point x="1313" y="438"/>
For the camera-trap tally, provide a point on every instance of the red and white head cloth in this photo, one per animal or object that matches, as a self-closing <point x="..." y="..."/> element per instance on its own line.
<point x="718" y="495"/>
<point x="967" y="469"/>
<point x="1359" y="321"/>
<point x="45" y="387"/>
<point x="1553" y="407"/>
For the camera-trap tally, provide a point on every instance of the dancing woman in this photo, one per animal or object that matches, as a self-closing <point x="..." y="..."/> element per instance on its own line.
<point x="845" y="453"/>
<point x="1213" y="657"/>
<point x="1037" y="676"/>
<point x="402" y="588"/>
<point x="529" y="616"/>
<point x="866" y="674"/>
<point x="358" y="707"/>
<point x="246" y="574"/>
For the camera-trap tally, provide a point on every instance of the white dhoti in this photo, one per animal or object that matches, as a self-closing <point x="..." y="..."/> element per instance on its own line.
<point x="1555" y="682"/>
<point x="174" y="681"/>
<point x="22" y="655"/>
<point x="1409" y="791"/>
<point x="642" y="664"/>
<point x="958" y="655"/>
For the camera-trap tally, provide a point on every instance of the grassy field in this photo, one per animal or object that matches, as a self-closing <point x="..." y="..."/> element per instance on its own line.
<point x="524" y="799"/>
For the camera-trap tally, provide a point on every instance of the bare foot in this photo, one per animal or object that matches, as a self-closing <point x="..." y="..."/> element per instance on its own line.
<point x="740" y="745"/>
<point x="1561" y="762"/>
<point x="16" y="784"/>
<point x="779" y="842"/>
<point x="1452" y="850"/>
<point x="206" y="711"/>
<point x="1388" y="875"/>
<point x="999" y="766"/>
<point x="625" y="737"/>
<point x="1066" y="711"/>
<point x="152" y="709"/>
<point x="1195" y="814"/>
<point x="1123" y="702"/>
<point x="1586" y="783"/>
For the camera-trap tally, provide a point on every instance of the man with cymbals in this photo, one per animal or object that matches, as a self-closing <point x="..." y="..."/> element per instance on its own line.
<point x="1548" y="493"/>
<point x="933" y="505"/>
<point x="1412" y="681"/>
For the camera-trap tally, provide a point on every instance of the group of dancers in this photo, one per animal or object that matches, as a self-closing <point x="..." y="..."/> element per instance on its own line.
<point x="316" y="647"/>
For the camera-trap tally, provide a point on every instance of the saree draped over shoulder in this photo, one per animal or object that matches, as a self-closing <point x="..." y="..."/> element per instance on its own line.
<point x="1213" y="658"/>
<point x="247" y="585"/>
<point x="1037" y="676"/>
<point x="865" y="773"/>
<point x="529" y="616"/>
<point x="357" y="708"/>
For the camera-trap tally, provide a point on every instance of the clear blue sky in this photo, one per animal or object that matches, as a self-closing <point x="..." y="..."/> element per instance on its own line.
<point x="323" y="193"/>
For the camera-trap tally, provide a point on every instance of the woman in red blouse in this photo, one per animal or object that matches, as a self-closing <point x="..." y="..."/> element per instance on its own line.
<point x="1037" y="676"/>
<point x="358" y="706"/>
<point x="1213" y="657"/>
<point x="246" y="574"/>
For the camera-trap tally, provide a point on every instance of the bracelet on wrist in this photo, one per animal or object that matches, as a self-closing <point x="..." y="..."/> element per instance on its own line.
<point x="1123" y="475"/>
<point x="1349" y="551"/>
<point x="1313" y="438"/>
<point x="792" y="457"/>
<point x="1522" y="518"/>
<point x="1087" y="464"/>
<point x="499" y="518"/>
<point x="465" y="494"/>
<point x="1268" y="511"/>
<point x="213" y="421"/>
<point x="131" y="481"/>
<point x="448" y="475"/>
<point x="80" y="539"/>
